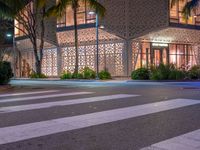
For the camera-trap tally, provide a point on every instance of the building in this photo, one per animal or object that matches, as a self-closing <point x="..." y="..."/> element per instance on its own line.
<point x="134" y="33"/>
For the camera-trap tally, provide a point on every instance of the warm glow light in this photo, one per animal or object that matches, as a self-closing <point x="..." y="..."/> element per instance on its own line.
<point x="160" y="44"/>
<point x="101" y="26"/>
<point x="173" y="57"/>
<point x="91" y="13"/>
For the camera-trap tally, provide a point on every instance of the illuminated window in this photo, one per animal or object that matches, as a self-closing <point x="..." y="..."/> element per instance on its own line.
<point x="176" y="15"/>
<point x="84" y="15"/>
<point x="181" y="55"/>
<point x="17" y="32"/>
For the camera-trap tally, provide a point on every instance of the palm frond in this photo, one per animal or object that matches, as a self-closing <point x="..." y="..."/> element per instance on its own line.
<point x="189" y="7"/>
<point x="5" y="11"/>
<point x="59" y="9"/>
<point x="9" y="8"/>
<point x="41" y="3"/>
<point x="100" y="9"/>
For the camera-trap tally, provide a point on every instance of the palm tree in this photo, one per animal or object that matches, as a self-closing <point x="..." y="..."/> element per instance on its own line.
<point x="188" y="8"/>
<point x="74" y="4"/>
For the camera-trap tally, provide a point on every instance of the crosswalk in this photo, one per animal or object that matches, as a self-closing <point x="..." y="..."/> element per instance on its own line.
<point x="27" y="131"/>
<point x="188" y="141"/>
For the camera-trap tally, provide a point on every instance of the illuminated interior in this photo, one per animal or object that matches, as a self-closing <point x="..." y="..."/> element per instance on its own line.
<point x="84" y="15"/>
<point x="176" y="15"/>
<point x="180" y="55"/>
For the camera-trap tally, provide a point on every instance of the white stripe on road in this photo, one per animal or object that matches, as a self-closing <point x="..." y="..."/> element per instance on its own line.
<point x="44" y="128"/>
<point x="43" y="96"/>
<point x="189" y="141"/>
<point x="27" y="93"/>
<point x="62" y="103"/>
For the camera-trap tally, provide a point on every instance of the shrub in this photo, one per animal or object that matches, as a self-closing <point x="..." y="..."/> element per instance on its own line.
<point x="162" y="72"/>
<point x="194" y="72"/>
<point x="140" y="74"/>
<point x="35" y="75"/>
<point x="167" y="72"/>
<point x="176" y="75"/>
<point x="88" y="73"/>
<point x="104" y="75"/>
<point x="66" y="75"/>
<point x="77" y="76"/>
<point x="5" y="72"/>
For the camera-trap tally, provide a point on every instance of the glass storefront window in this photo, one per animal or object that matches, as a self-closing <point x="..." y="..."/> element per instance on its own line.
<point x="164" y="55"/>
<point x="145" y="54"/>
<point x="172" y="48"/>
<point x="138" y="64"/>
<point x="181" y="55"/>
<point x="83" y="15"/>
<point x="181" y="61"/>
<point x="172" y="59"/>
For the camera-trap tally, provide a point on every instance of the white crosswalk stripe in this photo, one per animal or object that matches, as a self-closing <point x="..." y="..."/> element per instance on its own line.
<point x="63" y="103"/>
<point x="28" y="93"/>
<point x="44" y="96"/>
<point x="188" y="141"/>
<point x="44" y="128"/>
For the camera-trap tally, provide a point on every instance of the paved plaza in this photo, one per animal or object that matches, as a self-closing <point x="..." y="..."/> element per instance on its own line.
<point x="112" y="115"/>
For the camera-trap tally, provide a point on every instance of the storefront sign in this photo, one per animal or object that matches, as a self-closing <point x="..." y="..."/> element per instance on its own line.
<point x="160" y="44"/>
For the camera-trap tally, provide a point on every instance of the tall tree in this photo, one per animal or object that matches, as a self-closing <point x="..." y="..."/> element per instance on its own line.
<point x="60" y="8"/>
<point x="30" y="15"/>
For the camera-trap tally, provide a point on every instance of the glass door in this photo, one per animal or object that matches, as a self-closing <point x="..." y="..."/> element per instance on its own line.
<point x="157" y="57"/>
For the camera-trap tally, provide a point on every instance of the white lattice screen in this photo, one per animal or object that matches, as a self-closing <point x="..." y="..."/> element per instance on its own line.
<point x="49" y="63"/>
<point x="110" y="57"/>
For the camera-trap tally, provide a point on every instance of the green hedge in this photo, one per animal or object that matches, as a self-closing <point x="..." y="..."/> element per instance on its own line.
<point x="86" y="73"/>
<point x="141" y="74"/>
<point x="104" y="75"/>
<point x="194" y="72"/>
<point x="164" y="72"/>
<point x="66" y="75"/>
<point x="5" y="72"/>
<point x="167" y="72"/>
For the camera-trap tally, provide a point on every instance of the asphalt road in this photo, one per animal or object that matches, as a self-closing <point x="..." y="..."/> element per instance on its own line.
<point x="107" y="116"/>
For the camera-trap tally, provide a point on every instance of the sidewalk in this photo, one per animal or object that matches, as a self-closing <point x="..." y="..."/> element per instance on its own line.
<point x="98" y="83"/>
<point x="5" y="87"/>
<point x="79" y="83"/>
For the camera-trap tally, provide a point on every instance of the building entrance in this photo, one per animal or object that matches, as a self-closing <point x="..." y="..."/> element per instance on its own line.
<point x="159" y="56"/>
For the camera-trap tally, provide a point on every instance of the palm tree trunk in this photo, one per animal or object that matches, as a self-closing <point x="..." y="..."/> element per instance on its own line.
<point x="76" y="38"/>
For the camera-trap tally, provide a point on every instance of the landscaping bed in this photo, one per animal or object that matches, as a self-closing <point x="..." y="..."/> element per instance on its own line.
<point x="167" y="73"/>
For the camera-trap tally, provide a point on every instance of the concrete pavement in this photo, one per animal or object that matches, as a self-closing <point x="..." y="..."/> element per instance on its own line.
<point x="118" y="116"/>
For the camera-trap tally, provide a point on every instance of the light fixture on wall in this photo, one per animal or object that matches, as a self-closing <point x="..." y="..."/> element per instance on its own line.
<point x="102" y="27"/>
<point x="91" y="13"/>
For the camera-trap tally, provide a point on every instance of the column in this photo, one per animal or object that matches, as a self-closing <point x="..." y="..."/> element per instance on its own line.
<point x="127" y="58"/>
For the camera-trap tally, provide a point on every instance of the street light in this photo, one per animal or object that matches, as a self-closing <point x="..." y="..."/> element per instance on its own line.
<point x="97" y="44"/>
<point x="97" y="41"/>
<point x="9" y="35"/>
